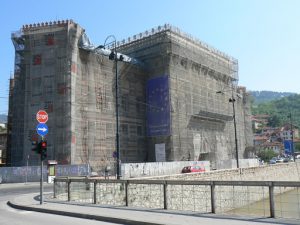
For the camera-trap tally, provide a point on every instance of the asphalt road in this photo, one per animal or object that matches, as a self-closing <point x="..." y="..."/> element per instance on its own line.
<point x="10" y="216"/>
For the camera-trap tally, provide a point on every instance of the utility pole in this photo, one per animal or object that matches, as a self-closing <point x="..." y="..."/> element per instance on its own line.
<point x="232" y="100"/>
<point x="292" y="135"/>
<point x="114" y="56"/>
<point x="117" y="113"/>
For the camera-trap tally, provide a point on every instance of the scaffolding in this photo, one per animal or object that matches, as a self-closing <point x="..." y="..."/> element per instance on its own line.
<point x="76" y="87"/>
<point x="201" y="119"/>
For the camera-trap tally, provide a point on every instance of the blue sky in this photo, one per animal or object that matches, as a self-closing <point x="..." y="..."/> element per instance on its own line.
<point x="262" y="34"/>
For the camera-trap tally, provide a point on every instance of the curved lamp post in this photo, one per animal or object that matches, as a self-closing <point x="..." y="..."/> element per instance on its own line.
<point x="114" y="56"/>
<point x="232" y="100"/>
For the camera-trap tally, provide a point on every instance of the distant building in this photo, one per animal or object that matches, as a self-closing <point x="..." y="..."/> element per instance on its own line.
<point x="276" y="147"/>
<point x="259" y="121"/>
<point x="276" y="138"/>
<point x="169" y="106"/>
<point x="286" y="132"/>
<point x="260" y="139"/>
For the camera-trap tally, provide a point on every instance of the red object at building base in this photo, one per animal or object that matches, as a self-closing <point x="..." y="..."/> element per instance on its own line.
<point x="193" y="169"/>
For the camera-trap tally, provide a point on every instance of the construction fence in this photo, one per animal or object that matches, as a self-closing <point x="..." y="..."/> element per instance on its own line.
<point x="33" y="173"/>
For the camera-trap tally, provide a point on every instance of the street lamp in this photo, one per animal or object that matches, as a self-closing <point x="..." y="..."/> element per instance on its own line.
<point x="232" y="100"/>
<point x="114" y="56"/>
<point x="84" y="43"/>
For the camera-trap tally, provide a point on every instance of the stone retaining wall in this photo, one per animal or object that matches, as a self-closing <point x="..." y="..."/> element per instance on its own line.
<point x="138" y="170"/>
<point x="276" y="172"/>
<point x="191" y="197"/>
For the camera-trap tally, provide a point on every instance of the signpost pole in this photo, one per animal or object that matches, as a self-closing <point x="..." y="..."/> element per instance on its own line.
<point x="42" y="130"/>
<point x="41" y="183"/>
<point x="27" y="169"/>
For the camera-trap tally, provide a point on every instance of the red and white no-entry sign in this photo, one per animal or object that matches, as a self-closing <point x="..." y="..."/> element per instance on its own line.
<point x="42" y="116"/>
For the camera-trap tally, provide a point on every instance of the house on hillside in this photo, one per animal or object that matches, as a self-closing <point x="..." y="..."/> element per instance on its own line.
<point x="273" y="138"/>
<point x="286" y="132"/>
<point x="269" y="131"/>
<point x="277" y="146"/>
<point x="259" y="121"/>
<point x="259" y="140"/>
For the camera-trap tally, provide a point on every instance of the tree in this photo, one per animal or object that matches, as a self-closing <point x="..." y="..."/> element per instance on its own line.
<point x="274" y="121"/>
<point x="266" y="154"/>
<point x="2" y="130"/>
<point x="297" y="147"/>
<point x="279" y="110"/>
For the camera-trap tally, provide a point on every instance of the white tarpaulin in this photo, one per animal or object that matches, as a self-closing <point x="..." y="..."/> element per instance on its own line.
<point x="160" y="152"/>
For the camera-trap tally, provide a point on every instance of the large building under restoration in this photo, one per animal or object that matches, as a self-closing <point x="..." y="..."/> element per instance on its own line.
<point x="173" y="98"/>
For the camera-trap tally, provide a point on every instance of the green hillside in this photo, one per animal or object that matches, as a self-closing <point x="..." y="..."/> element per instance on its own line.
<point x="267" y="96"/>
<point x="280" y="110"/>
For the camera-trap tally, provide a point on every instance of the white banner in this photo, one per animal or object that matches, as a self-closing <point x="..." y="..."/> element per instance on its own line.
<point x="160" y="152"/>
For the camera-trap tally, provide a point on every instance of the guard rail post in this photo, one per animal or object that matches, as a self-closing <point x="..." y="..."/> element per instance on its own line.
<point x="69" y="191"/>
<point x="212" y="197"/>
<point x="126" y="193"/>
<point x="165" y="195"/>
<point x="271" y="197"/>
<point x="95" y="192"/>
<point x="54" y="188"/>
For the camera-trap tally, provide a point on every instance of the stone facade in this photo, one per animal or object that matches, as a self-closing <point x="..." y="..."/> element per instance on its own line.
<point x="77" y="89"/>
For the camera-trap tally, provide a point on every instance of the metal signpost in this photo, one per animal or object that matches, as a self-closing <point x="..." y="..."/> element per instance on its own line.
<point x="42" y="130"/>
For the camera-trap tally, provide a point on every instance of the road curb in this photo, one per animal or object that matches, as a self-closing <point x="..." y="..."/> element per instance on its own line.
<point x="81" y="215"/>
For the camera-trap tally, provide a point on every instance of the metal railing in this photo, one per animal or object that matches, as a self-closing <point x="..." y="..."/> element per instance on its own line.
<point x="260" y="198"/>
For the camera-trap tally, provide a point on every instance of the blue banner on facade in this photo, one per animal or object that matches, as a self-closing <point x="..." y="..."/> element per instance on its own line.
<point x="158" y="106"/>
<point x="288" y="147"/>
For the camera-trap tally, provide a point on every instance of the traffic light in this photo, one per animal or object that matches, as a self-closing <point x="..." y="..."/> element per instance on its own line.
<point x="44" y="155"/>
<point x="34" y="146"/>
<point x="40" y="148"/>
<point x="44" y="145"/>
<point x="43" y="149"/>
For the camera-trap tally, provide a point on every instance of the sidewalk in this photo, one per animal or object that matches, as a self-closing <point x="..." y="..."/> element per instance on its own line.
<point x="130" y="216"/>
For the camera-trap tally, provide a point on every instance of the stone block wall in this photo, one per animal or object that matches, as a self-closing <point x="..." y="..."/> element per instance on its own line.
<point x="276" y="172"/>
<point x="134" y="170"/>
<point x="194" y="197"/>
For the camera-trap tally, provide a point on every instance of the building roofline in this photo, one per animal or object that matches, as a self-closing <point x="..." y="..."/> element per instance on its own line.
<point x="42" y="25"/>
<point x="175" y="30"/>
